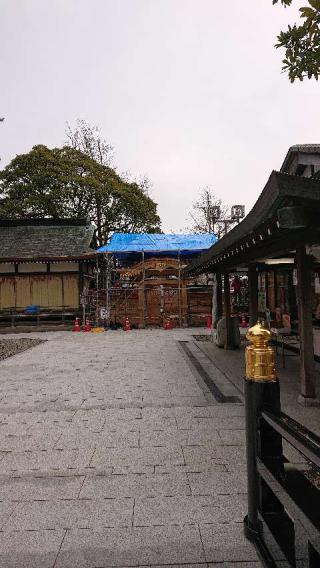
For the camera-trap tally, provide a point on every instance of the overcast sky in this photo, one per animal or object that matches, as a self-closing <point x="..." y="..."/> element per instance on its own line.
<point x="189" y="92"/>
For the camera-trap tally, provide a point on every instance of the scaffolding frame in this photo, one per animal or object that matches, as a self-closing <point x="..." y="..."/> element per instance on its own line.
<point x="142" y="286"/>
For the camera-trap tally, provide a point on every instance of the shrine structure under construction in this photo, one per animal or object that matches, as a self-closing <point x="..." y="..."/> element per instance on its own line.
<point x="141" y="278"/>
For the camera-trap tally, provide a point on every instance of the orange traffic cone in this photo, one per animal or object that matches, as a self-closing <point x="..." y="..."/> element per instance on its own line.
<point x="76" y="325"/>
<point x="87" y="326"/>
<point x="127" y="326"/>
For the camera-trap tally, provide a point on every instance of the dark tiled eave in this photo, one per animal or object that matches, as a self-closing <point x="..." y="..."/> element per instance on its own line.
<point x="87" y="256"/>
<point x="260" y="230"/>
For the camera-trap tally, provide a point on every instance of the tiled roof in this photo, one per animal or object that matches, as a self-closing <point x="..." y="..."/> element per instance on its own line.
<point x="45" y="238"/>
<point x="280" y="188"/>
<point x="299" y="148"/>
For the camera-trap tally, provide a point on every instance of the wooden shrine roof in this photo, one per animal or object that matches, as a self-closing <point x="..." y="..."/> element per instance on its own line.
<point x="287" y="209"/>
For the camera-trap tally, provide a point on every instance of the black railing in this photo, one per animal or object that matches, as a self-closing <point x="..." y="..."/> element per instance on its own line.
<point x="283" y="517"/>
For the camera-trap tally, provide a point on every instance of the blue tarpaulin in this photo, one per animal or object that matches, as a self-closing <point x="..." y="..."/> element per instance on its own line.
<point x="122" y="243"/>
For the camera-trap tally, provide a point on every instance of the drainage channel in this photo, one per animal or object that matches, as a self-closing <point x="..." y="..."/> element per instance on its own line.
<point x="213" y="388"/>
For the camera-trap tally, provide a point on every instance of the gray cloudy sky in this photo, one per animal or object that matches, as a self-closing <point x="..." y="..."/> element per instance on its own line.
<point x="189" y="92"/>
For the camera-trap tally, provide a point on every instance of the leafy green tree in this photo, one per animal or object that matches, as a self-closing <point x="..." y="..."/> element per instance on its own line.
<point x="302" y="43"/>
<point x="66" y="183"/>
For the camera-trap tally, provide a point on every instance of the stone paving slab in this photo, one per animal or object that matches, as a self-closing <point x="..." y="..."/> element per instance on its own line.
<point x="134" y="546"/>
<point x="138" y="457"/>
<point x="178" y="437"/>
<point x="80" y="438"/>
<point x="215" y="483"/>
<point x="68" y="514"/>
<point x="29" y="549"/>
<point x="118" y="461"/>
<point x="135" y="485"/>
<point x="29" y="488"/>
<point x="181" y="510"/>
<point x="45" y="461"/>
<point x="226" y="543"/>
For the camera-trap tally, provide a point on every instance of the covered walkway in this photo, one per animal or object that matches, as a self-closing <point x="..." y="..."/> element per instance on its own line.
<point x="281" y="229"/>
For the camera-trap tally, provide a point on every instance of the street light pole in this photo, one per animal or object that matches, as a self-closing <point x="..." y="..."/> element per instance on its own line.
<point x="237" y="214"/>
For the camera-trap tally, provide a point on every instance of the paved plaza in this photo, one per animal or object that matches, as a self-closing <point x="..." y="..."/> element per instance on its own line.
<point x="114" y="452"/>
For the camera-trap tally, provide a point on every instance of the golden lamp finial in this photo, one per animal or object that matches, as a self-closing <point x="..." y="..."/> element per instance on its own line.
<point x="260" y="359"/>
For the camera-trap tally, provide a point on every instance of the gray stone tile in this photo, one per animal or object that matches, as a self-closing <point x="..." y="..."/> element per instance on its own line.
<point x="176" y="437"/>
<point x="129" y="469"/>
<point x="236" y="565"/>
<point x="67" y="514"/>
<point x="230" y="455"/>
<point x="45" y="460"/>
<point x="131" y="547"/>
<point x="133" y="457"/>
<point x="192" y="468"/>
<point x="216" y="422"/>
<point x="86" y="439"/>
<point x="133" y="485"/>
<point x="233" y="437"/>
<point x="29" y="549"/>
<point x="179" y="510"/>
<point x="42" y="487"/>
<point x="6" y="509"/>
<point x="214" y="482"/>
<point x="202" y="455"/>
<point x="232" y="508"/>
<point x="29" y="442"/>
<point x="227" y="543"/>
<point x="182" y="566"/>
<point x="185" y="417"/>
<point x="164" y="437"/>
<point x="155" y="422"/>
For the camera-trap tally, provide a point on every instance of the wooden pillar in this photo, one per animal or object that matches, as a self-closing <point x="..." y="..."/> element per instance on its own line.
<point x="253" y="294"/>
<point x="214" y="302"/>
<point x="219" y="295"/>
<point x="304" y="292"/>
<point x="216" y="299"/>
<point x="141" y="300"/>
<point x="227" y="312"/>
<point x="184" y="301"/>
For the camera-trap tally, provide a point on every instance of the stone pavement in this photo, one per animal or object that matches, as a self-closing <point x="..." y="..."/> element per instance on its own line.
<point x="114" y="452"/>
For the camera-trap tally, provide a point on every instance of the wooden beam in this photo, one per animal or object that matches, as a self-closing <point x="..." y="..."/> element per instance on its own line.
<point x="253" y="294"/>
<point x="278" y="244"/>
<point x="304" y="291"/>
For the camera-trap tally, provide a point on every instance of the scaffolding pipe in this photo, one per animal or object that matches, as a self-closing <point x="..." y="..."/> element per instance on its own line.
<point x="179" y="291"/>
<point x="144" y="292"/>
<point x="107" y="290"/>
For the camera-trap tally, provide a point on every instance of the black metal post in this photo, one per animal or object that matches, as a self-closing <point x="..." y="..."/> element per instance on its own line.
<point x="261" y="442"/>
<point x="253" y="393"/>
<point x="262" y="393"/>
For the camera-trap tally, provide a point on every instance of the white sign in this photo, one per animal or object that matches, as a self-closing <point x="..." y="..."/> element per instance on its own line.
<point x="104" y="313"/>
